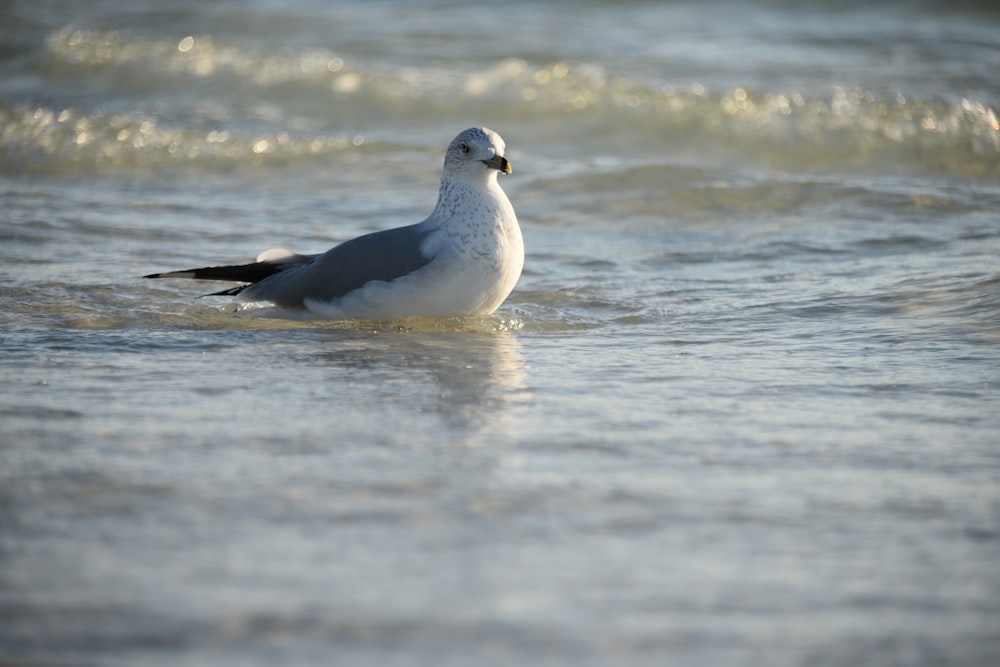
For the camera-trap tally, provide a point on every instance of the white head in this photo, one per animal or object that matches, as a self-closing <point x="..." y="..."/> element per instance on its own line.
<point x="476" y="152"/>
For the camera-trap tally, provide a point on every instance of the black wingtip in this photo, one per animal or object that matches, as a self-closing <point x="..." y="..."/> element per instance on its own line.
<point x="175" y="274"/>
<point x="244" y="273"/>
<point x="232" y="291"/>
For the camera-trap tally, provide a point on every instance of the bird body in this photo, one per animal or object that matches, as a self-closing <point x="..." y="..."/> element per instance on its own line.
<point x="462" y="260"/>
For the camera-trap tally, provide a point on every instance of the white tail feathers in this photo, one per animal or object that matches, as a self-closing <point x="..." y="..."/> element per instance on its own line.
<point x="276" y="255"/>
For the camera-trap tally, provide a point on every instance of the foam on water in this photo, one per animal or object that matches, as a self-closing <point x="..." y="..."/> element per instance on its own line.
<point x="294" y="89"/>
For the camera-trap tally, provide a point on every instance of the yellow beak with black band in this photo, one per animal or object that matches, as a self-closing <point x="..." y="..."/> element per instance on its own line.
<point x="500" y="163"/>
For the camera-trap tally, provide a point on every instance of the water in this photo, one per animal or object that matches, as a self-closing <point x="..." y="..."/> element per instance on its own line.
<point x="741" y="408"/>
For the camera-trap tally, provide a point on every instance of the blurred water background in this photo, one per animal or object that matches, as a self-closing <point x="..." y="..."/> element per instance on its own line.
<point x="741" y="409"/>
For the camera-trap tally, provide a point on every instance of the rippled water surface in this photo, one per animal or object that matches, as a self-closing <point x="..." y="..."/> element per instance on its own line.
<point x="741" y="408"/>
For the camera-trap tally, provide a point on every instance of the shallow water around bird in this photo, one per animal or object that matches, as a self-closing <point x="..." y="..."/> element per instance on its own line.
<point x="740" y="409"/>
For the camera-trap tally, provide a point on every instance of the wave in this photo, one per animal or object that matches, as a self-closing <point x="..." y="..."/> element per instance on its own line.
<point x="199" y="102"/>
<point x="51" y="140"/>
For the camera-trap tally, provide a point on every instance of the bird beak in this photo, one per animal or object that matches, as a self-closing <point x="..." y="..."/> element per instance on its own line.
<point x="498" y="162"/>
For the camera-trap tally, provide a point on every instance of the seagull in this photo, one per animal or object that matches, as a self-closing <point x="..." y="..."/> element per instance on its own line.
<point x="463" y="260"/>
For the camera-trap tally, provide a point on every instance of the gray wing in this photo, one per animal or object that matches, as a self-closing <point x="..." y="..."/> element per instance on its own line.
<point x="383" y="256"/>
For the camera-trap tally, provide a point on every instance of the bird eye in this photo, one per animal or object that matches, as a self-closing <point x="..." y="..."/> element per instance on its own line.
<point x="464" y="147"/>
